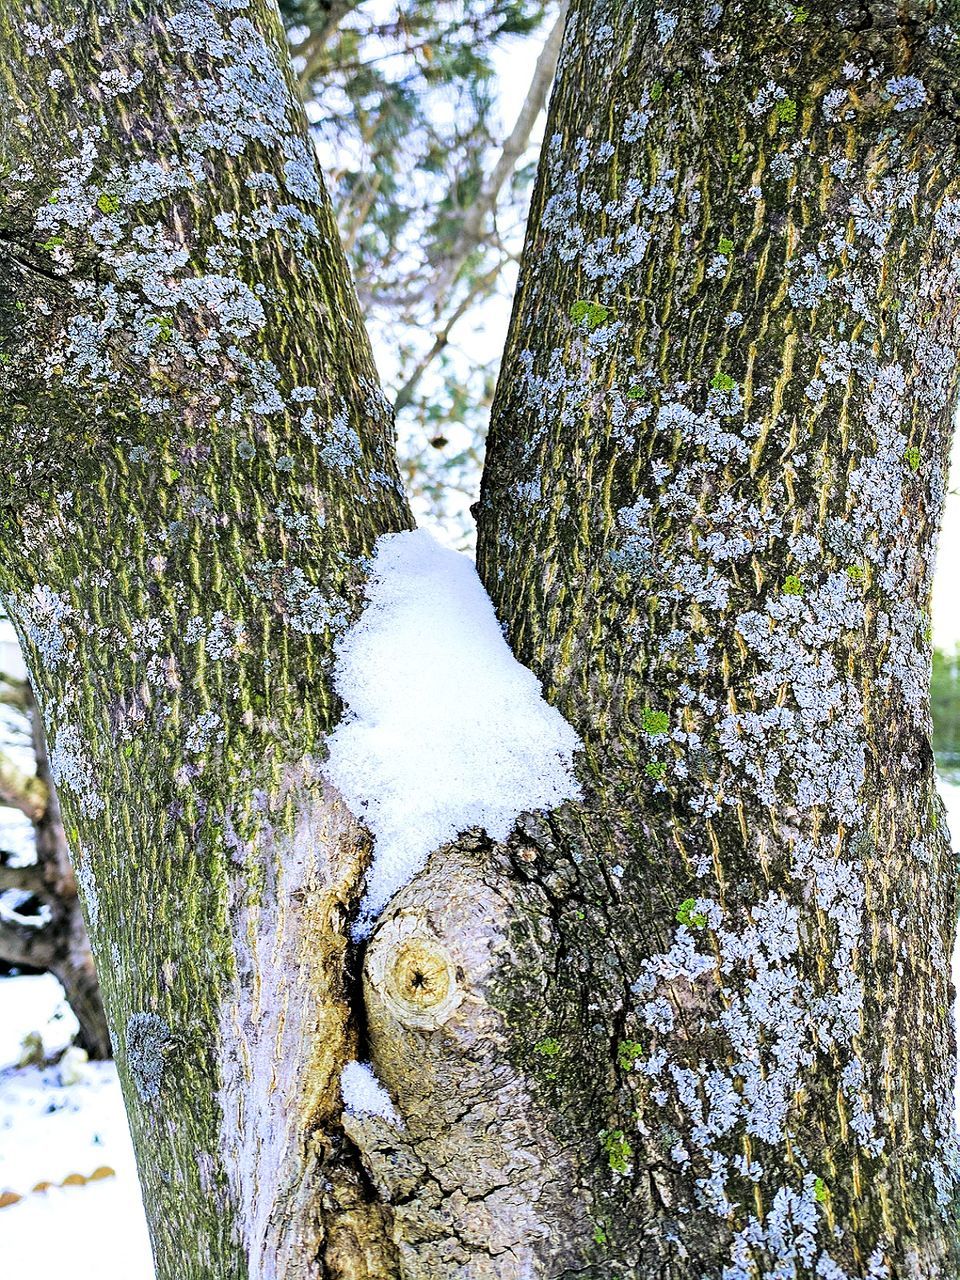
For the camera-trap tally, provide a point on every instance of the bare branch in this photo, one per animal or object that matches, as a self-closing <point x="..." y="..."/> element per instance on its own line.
<point x="314" y="48"/>
<point x="28" y="879"/>
<point x="481" y="286"/>
<point x="12" y="697"/>
<point x="471" y="232"/>
<point x="14" y="691"/>
<point x="22" y="943"/>
<point x="362" y="213"/>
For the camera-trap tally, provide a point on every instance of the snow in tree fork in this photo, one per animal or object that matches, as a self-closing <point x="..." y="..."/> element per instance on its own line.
<point x="692" y="1024"/>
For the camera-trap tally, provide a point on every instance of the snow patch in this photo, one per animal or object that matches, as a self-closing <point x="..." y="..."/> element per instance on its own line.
<point x="444" y="729"/>
<point x="363" y="1093"/>
<point x="49" y="1130"/>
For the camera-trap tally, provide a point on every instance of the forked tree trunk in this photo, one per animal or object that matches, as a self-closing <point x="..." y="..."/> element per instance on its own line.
<point x="697" y="1026"/>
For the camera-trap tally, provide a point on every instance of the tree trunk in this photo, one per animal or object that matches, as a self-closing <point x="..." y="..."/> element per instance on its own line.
<point x="196" y="459"/>
<point x="723" y="425"/>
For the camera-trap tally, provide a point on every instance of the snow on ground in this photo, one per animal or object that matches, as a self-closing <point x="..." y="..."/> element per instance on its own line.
<point x="445" y="730"/>
<point x="32" y="1004"/>
<point x="50" y="1131"/>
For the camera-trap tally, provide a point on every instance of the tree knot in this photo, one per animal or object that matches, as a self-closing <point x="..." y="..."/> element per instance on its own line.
<point x="414" y="973"/>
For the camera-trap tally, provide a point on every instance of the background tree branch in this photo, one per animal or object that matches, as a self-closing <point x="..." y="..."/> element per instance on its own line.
<point x="473" y="230"/>
<point x="19" y="790"/>
<point x="26" y="944"/>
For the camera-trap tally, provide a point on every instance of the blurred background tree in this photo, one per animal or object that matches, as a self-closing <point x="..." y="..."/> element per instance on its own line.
<point x="429" y="152"/>
<point x="41" y="926"/>
<point x="945" y="708"/>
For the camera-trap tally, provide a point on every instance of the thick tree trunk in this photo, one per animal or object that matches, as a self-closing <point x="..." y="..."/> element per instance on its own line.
<point x="196" y="459"/>
<point x="722" y="424"/>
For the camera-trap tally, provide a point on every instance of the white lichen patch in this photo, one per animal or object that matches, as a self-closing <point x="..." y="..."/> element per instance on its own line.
<point x="173" y="298"/>
<point x="73" y="770"/>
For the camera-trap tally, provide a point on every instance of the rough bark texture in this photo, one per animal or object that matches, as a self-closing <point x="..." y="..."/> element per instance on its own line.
<point x="196" y="459"/>
<point x="481" y="1186"/>
<point x="708" y="519"/>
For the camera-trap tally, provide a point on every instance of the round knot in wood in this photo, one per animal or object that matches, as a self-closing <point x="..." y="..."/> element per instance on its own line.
<point x="414" y="974"/>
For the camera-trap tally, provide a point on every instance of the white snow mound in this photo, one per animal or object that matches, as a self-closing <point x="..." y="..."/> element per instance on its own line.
<point x="444" y="729"/>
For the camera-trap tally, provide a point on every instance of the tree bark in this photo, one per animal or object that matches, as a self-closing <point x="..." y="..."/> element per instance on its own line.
<point x="722" y="427"/>
<point x="196" y="461"/>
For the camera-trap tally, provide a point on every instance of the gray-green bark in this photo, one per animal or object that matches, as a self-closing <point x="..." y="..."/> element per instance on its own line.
<point x="196" y="460"/>
<point x="722" y="424"/>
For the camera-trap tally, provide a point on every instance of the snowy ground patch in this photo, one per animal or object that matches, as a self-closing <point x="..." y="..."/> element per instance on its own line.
<point x="33" y="1005"/>
<point x="90" y="1229"/>
<point x="444" y="729"/>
